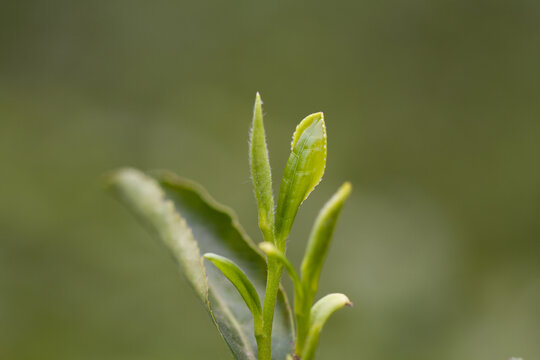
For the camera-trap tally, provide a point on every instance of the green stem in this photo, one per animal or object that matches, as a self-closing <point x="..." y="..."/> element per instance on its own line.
<point x="302" y="313"/>
<point x="260" y="343"/>
<point x="275" y="269"/>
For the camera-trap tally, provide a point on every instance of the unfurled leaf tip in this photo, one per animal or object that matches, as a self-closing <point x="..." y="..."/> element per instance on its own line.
<point x="209" y="256"/>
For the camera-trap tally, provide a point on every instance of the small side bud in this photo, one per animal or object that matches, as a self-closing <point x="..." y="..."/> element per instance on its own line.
<point x="272" y="251"/>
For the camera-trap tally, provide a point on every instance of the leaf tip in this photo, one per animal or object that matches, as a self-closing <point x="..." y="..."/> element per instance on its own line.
<point x="345" y="189"/>
<point x="111" y="178"/>
<point x="305" y="123"/>
<point x="346" y="300"/>
<point x="257" y="108"/>
<point x="210" y="256"/>
<point x="267" y="247"/>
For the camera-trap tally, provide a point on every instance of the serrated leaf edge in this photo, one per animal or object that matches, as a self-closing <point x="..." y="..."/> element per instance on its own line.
<point x="300" y="128"/>
<point x="169" y="207"/>
<point x="173" y="179"/>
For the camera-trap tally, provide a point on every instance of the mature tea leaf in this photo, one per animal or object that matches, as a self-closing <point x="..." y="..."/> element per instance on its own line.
<point x="260" y="172"/>
<point x="246" y="289"/>
<point x="146" y="199"/>
<point x="320" y="313"/>
<point x="303" y="172"/>
<point x="189" y="222"/>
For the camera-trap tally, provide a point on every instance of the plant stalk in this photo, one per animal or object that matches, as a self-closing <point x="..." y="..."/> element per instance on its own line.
<point x="275" y="269"/>
<point x="302" y="313"/>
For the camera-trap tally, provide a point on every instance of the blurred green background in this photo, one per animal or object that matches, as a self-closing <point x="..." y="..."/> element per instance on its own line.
<point x="433" y="113"/>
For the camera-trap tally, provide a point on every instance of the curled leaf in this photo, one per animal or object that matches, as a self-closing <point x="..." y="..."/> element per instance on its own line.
<point x="246" y="289"/>
<point x="303" y="171"/>
<point x="320" y="312"/>
<point x="260" y="172"/>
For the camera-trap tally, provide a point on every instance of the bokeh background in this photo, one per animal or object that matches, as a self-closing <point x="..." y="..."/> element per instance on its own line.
<point x="433" y="113"/>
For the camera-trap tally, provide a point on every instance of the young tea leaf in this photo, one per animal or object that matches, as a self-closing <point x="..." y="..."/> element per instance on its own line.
<point x="303" y="172"/>
<point x="314" y="257"/>
<point x="189" y="222"/>
<point x="246" y="289"/>
<point x="260" y="172"/>
<point x="320" y="238"/>
<point x="320" y="313"/>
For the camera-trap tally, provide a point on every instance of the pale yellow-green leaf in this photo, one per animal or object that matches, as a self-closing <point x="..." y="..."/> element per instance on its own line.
<point x="260" y="172"/>
<point x="320" y="238"/>
<point x="303" y="171"/>
<point x="314" y="257"/>
<point x="320" y="313"/>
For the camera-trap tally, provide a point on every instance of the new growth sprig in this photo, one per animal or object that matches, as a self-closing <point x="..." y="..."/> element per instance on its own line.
<point x="191" y="223"/>
<point x="303" y="171"/>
